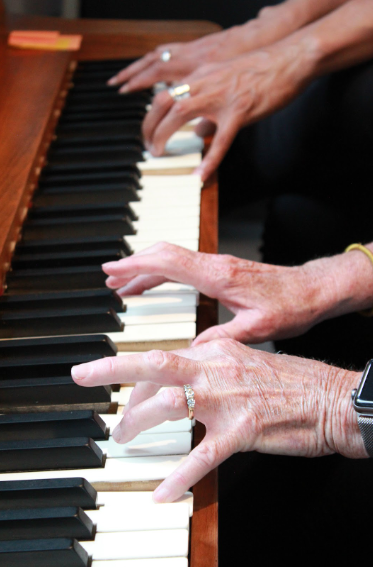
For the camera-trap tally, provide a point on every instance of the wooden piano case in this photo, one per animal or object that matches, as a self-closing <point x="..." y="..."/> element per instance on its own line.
<point x="32" y="89"/>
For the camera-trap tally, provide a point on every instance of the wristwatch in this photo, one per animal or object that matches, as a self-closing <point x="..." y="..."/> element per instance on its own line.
<point x="362" y="399"/>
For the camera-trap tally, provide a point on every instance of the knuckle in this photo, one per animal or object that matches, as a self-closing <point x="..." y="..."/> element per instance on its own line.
<point x="157" y="359"/>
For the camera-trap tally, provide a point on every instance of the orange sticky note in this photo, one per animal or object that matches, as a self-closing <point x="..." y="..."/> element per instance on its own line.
<point x="49" y="40"/>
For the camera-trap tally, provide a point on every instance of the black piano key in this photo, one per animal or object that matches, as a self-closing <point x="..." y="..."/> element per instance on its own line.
<point x="43" y="553"/>
<point x="55" y="349"/>
<point x="52" y="425"/>
<point x="68" y="246"/>
<point x="99" y="195"/>
<point x="103" y="97"/>
<point x="85" y="118"/>
<point x="113" y="157"/>
<point x="42" y="366"/>
<point x="98" y="298"/>
<point x="56" y="279"/>
<point x="34" y="523"/>
<point x="93" y="150"/>
<point x="59" y="393"/>
<point x="47" y="493"/>
<point x="41" y="322"/>
<point x="50" y="454"/>
<point x="120" y="132"/>
<point x="123" y="174"/>
<point x="87" y="258"/>
<point x="77" y="227"/>
<point x="71" y="211"/>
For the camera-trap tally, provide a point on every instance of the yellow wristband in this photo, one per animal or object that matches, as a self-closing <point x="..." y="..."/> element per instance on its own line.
<point x="366" y="312"/>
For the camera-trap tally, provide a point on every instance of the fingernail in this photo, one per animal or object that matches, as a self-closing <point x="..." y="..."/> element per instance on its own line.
<point x="124" y="89"/>
<point x="161" y="494"/>
<point x="112" y="81"/>
<point x="109" y="265"/>
<point x="116" y="435"/>
<point x="82" y="371"/>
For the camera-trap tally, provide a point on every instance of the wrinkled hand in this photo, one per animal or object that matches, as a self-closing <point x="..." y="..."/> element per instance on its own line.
<point x="248" y="400"/>
<point x="269" y="302"/>
<point x="231" y="95"/>
<point x="186" y="57"/>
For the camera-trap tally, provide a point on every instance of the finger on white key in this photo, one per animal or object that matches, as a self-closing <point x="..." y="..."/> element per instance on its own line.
<point x="155" y="366"/>
<point x="138" y="500"/>
<point x="203" y="459"/>
<point x="162" y="562"/>
<point x="179" y="426"/>
<point x="147" y="445"/>
<point x="169" y="405"/>
<point x="161" y="517"/>
<point x="132" y="545"/>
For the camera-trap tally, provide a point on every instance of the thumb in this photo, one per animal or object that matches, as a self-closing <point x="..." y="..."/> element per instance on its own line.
<point x="221" y="142"/>
<point x="203" y="459"/>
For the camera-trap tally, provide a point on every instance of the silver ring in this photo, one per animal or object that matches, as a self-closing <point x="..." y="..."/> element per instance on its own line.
<point x="179" y="92"/>
<point x="191" y="402"/>
<point x="165" y="56"/>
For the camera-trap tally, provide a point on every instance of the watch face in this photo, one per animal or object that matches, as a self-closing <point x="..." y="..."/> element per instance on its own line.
<point x="364" y="396"/>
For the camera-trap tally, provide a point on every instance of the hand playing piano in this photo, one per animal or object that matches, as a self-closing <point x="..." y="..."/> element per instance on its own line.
<point x="230" y="94"/>
<point x="269" y="302"/>
<point x="249" y="400"/>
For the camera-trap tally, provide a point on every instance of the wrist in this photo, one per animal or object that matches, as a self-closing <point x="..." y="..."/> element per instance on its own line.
<point x="340" y="284"/>
<point x="342" y="433"/>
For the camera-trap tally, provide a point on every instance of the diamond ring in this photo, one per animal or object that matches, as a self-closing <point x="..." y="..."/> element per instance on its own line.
<point x="165" y="56"/>
<point x="189" y="394"/>
<point x="178" y="92"/>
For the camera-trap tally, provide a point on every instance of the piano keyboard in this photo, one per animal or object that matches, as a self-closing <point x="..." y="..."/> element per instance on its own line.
<point x="90" y="197"/>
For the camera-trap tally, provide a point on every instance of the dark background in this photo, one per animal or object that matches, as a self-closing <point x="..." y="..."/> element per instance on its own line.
<point x="224" y="13"/>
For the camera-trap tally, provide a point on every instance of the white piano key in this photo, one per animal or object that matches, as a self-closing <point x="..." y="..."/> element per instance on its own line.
<point x="162" y="562"/>
<point x="160" y="233"/>
<point x="161" y="332"/>
<point x="148" y="445"/>
<point x="174" y="162"/>
<point x="183" y="142"/>
<point x="112" y="420"/>
<point x="157" y="301"/>
<point x="141" y="545"/>
<point x="192" y="245"/>
<point x="153" y="223"/>
<point x="132" y="518"/>
<point x="167" y="200"/>
<point x="157" y="316"/>
<point x="115" y="471"/>
<point x="173" y="182"/>
<point x="162" y="212"/>
<point x="168" y="287"/>
<point x="141" y="500"/>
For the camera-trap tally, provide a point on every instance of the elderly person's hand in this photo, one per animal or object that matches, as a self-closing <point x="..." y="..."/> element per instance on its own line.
<point x="231" y="95"/>
<point x="248" y="400"/>
<point x="271" y="24"/>
<point x="269" y="302"/>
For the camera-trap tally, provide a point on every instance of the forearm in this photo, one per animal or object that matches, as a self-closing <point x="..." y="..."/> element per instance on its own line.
<point x="342" y="38"/>
<point x="274" y="23"/>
